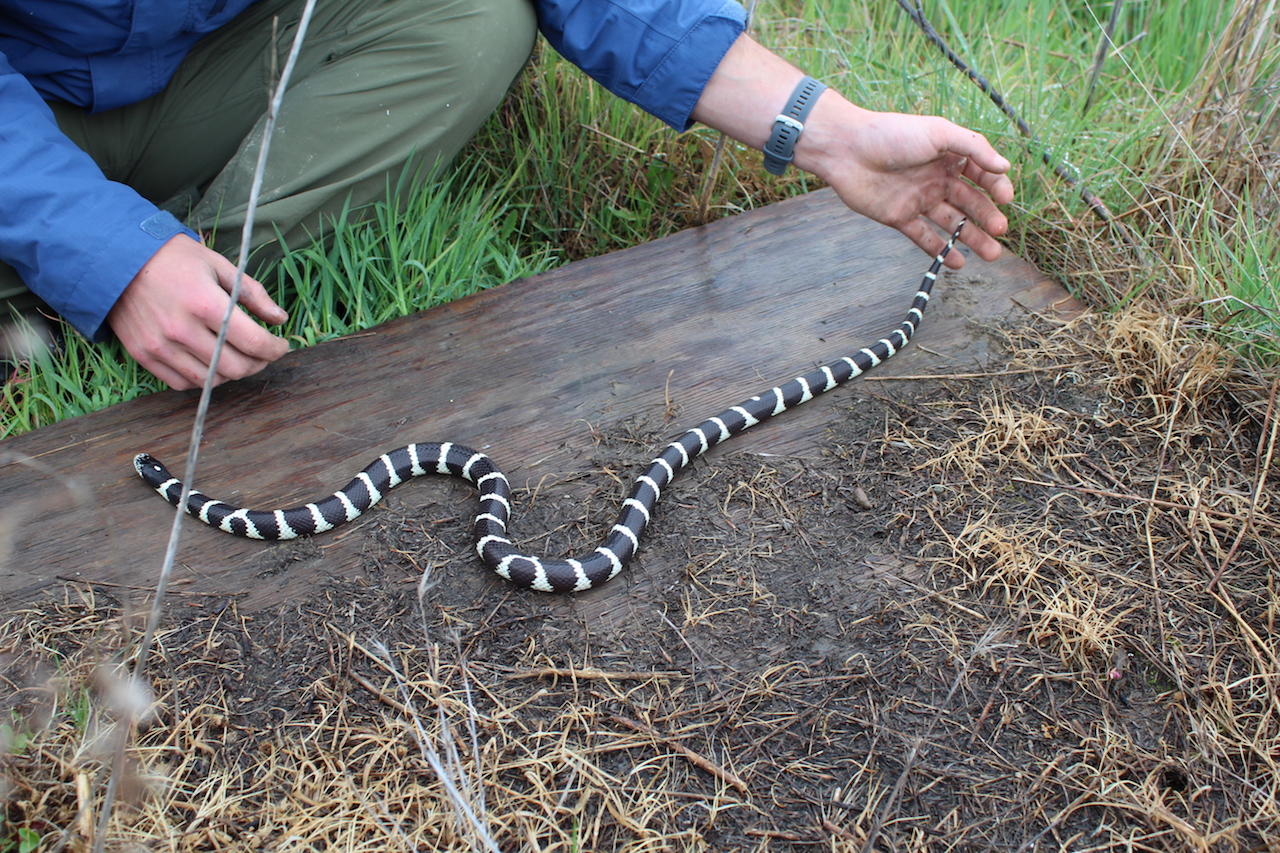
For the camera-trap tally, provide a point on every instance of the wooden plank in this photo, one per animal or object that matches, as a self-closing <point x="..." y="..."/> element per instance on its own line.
<point x="699" y="321"/>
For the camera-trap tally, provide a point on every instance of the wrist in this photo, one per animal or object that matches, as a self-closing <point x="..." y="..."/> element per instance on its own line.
<point x="789" y="124"/>
<point x="829" y="134"/>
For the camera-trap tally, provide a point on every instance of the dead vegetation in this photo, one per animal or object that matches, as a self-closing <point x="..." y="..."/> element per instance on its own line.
<point x="1033" y="609"/>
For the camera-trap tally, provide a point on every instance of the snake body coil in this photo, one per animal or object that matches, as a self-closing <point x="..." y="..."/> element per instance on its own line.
<point x="489" y="528"/>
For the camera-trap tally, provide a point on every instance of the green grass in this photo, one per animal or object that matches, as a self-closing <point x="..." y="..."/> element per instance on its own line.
<point x="427" y="244"/>
<point x="1175" y="145"/>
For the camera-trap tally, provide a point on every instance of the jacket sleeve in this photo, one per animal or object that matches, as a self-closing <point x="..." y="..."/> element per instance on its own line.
<point x="656" y="54"/>
<point x="76" y="238"/>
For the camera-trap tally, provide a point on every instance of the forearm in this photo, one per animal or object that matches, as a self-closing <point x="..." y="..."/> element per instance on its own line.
<point x="901" y="170"/>
<point x="753" y="84"/>
<point x="748" y="89"/>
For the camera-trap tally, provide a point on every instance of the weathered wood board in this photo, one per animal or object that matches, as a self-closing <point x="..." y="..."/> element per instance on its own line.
<point x="699" y="320"/>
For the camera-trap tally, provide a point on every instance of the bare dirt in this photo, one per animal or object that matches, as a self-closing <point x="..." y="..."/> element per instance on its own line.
<point x="1028" y="610"/>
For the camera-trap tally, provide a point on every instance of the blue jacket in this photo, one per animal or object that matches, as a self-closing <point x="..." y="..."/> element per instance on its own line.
<point x="78" y="239"/>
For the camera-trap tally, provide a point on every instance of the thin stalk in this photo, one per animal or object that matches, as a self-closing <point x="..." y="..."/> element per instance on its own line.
<point x="709" y="178"/>
<point x="1095" y="204"/>
<point x="197" y="432"/>
<point x="1104" y="45"/>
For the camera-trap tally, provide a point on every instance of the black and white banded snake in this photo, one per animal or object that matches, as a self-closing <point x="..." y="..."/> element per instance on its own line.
<point x="489" y="529"/>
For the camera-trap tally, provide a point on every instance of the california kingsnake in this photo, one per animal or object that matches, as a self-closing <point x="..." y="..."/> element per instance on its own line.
<point x="489" y="529"/>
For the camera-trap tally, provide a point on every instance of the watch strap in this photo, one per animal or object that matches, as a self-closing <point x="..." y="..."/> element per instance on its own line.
<point x="787" y="127"/>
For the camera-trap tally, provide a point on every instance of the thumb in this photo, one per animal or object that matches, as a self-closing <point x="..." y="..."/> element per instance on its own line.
<point x="973" y="145"/>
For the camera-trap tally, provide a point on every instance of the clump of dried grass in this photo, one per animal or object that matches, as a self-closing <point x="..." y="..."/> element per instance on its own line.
<point x="1135" y="540"/>
<point x="1234" y="105"/>
<point x="387" y="749"/>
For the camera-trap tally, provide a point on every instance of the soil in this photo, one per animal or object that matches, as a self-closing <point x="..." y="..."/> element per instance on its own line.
<point x="926" y="637"/>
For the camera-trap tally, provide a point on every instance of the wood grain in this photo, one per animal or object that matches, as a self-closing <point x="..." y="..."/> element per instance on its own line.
<point x="696" y="321"/>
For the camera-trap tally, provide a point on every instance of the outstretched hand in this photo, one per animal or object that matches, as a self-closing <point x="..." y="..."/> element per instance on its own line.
<point x="908" y="171"/>
<point x="904" y="171"/>
<point x="168" y="317"/>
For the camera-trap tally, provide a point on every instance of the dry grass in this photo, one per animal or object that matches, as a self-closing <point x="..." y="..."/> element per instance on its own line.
<point x="1034" y="610"/>
<point x="1055" y="631"/>
<point x="1147" y="550"/>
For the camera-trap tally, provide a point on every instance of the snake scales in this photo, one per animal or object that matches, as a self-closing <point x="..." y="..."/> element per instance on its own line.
<point x="489" y="528"/>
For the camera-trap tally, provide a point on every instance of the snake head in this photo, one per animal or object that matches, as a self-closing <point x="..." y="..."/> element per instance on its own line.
<point x="150" y="469"/>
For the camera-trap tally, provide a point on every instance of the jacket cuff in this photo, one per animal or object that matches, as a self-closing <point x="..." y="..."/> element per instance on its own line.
<point x="109" y="272"/>
<point x="673" y="88"/>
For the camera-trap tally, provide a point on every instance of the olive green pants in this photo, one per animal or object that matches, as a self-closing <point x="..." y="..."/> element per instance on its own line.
<point x="379" y="87"/>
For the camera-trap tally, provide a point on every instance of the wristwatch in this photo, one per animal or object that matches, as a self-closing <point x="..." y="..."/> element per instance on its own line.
<point x="780" y="148"/>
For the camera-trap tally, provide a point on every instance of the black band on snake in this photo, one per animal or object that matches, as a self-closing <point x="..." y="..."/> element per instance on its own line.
<point x="489" y="528"/>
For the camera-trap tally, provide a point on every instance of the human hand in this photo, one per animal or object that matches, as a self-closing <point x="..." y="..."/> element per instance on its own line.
<point x="900" y="170"/>
<point x="168" y="317"/>
<point x="907" y="171"/>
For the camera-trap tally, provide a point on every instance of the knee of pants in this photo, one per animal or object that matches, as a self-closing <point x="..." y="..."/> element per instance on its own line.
<point x="472" y="49"/>
<point x="390" y="84"/>
<point x="502" y="34"/>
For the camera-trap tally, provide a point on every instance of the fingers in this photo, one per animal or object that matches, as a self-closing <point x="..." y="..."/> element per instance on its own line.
<point x="978" y="151"/>
<point x="248" y="347"/>
<point x="996" y="185"/>
<point x="983" y="244"/>
<point x="972" y="192"/>
<point x="253" y="295"/>
<point x="178" y="352"/>
<point x="986" y="222"/>
<point x="931" y="242"/>
<point x="169" y="315"/>
<point x="177" y="377"/>
<point x="924" y="232"/>
<point x="246" y="340"/>
<point x="977" y="184"/>
<point x="171" y="354"/>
